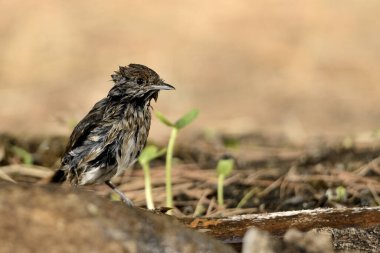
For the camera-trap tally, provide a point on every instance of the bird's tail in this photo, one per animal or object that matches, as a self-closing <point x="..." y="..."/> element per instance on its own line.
<point x="59" y="177"/>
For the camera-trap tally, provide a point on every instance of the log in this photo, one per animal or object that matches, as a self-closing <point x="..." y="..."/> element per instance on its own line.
<point x="232" y="229"/>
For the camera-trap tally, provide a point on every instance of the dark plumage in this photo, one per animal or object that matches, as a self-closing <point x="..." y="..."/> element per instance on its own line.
<point x="111" y="136"/>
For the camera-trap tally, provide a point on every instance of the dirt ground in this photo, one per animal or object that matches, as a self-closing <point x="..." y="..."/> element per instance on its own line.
<point x="270" y="174"/>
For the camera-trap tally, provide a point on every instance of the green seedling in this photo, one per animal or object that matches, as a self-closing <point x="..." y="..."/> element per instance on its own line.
<point x="25" y="156"/>
<point x="224" y="168"/>
<point x="176" y="126"/>
<point x="341" y="193"/>
<point x="247" y="197"/>
<point x="148" y="154"/>
<point x="231" y="143"/>
<point x="338" y="195"/>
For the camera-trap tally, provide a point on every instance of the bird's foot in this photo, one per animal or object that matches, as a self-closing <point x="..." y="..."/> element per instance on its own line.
<point x="124" y="198"/>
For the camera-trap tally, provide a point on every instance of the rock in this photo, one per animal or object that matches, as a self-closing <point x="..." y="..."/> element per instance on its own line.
<point x="53" y="219"/>
<point x="294" y="241"/>
<point x="310" y="242"/>
<point x="258" y="241"/>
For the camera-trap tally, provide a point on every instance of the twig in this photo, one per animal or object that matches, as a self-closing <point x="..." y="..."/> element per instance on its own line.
<point x="28" y="170"/>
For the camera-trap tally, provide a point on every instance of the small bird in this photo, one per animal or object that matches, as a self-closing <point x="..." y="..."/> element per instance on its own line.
<point x="111" y="136"/>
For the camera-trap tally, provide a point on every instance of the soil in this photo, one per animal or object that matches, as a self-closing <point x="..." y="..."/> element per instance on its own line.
<point x="270" y="173"/>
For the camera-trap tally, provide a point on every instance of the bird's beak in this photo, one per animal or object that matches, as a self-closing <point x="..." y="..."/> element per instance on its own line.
<point x="163" y="86"/>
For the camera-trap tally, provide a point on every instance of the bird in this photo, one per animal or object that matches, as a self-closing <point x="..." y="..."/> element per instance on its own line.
<point x="110" y="138"/>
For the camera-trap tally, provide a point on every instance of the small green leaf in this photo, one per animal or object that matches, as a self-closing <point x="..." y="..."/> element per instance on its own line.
<point x="149" y="153"/>
<point x="160" y="153"/>
<point x="225" y="167"/>
<point x="163" y="119"/>
<point x="341" y="194"/>
<point x="115" y="197"/>
<point x="186" y="119"/>
<point x="26" y="157"/>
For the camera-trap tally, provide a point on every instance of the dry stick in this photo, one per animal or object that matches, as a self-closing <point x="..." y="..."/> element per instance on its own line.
<point x="251" y="178"/>
<point x="177" y="189"/>
<point x="285" y="183"/>
<point x="28" y="170"/>
<point x="137" y="183"/>
<point x="5" y="177"/>
<point x="376" y="168"/>
<point x="262" y="193"/>
<point x="233" y="211"/>
<point x="232" y="229"/>
<point x="196" y="193"/>
<point x="199" y="207"/>
<point x="364" y="169"/>
<point x="374" y="194"/>
<point x="211" y="206"/>
<point x="271" y="187"/>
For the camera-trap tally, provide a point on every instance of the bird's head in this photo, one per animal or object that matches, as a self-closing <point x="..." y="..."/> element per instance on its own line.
<point x="137" y="82"/>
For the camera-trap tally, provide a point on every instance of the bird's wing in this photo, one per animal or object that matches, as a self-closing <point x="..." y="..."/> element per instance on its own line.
<point x="84" y="127"/>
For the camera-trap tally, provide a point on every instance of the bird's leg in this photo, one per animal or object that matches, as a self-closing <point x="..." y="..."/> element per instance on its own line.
<point x="122" y="195"/>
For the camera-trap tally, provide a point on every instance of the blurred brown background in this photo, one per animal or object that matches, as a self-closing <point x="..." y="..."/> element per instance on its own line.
<point x="296" y="67"/>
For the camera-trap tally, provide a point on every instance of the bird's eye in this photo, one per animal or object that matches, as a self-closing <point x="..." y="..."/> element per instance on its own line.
<point x="140" y="81"/>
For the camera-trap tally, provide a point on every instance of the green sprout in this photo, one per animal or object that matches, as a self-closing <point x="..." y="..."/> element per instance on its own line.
<point x="224" y="168"/>
<point x="25" y="156"/>
<point x="247" y="197"/>
<point x="148" y="154"/>
<point x="179" y="124"/>
<point x="339" y="194"/>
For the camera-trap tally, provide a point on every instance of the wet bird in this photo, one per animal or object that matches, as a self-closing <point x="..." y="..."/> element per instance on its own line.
<point x="111" y="136"/>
